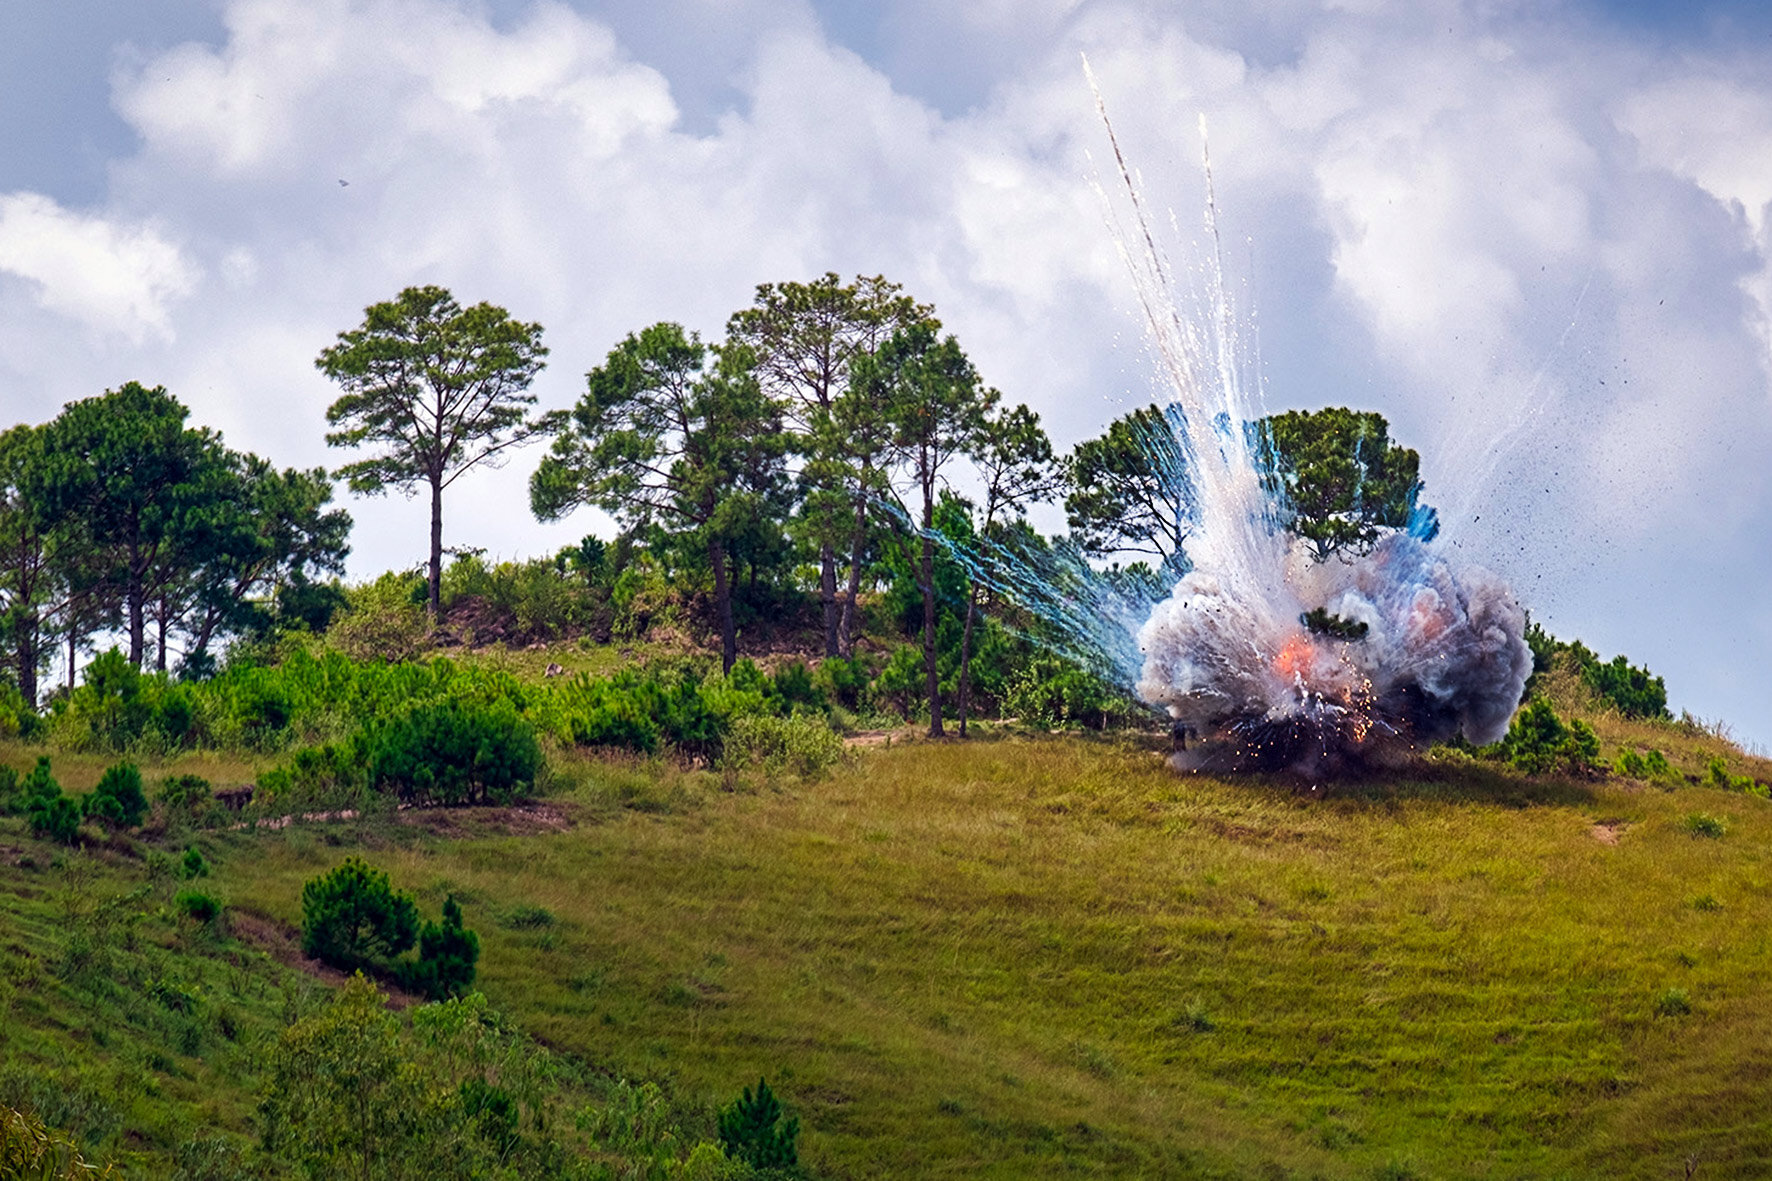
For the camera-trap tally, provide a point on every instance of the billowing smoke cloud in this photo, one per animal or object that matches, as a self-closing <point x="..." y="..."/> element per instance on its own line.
<point x="1442" y="654"/>
<point x="1421" y="650"/>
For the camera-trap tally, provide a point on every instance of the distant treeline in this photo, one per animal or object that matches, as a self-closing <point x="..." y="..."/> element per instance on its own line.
<point x="788" y="474"/>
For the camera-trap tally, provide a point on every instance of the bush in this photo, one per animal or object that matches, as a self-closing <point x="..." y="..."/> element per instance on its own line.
<point x="748" y="1131"/>
<point x="382" y="621"/>
<point x="447" y="953"/>
<point x="453" y="753"/>
<point x="1717" y="774"/>
<point x="1673" y="1003"/>
<point x="194" y="865"/>
<point x="353" y="918"/>
<point x="118" y="799"/>
<point x="315" y="775"/>
<point x="184" y="793"/>
<point x="1703" y="824"/>
<point x="802" y="744"/>
<point x="1049" y="692"/>
<point x="1537" y="741"/>
<point x="194" y="904"/>
<point x="56" y="818"/>
<point x="1651" y="766"/>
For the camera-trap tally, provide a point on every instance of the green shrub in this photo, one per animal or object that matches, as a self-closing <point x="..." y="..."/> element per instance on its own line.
<point x="453" y="753"/>
<point x="794" y="685"/>
<point x="1651" y="766"/>
<point x="118" y="799"/>
<point x="184" y="793"/>
<point x="843" y="681"/>
<point x="1703" y="824"/>
<point x="353" y="918"/>
<point x="10" y="800"/>
<point x="382" y="620"/>
<point x="194" y="904"/>
<point x="1673" y="1003"/>
<point x="1049" y="692"/>
<point x="447" y="954"/>
<point x="1537" y="741"/>
<point x="55" y="818"/>
<point x="802" y="744"/>
<point x="194" y="865"/>
<point x="1717" y="774"/>
<point x="330" y="776"/>
<point x="749" y="1131"/>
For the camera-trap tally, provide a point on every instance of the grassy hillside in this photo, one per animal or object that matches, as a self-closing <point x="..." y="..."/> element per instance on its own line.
<point x="1026" y="955"/>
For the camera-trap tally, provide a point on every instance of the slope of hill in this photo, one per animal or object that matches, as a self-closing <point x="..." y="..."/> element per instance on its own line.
<point x="1026" y="954"/>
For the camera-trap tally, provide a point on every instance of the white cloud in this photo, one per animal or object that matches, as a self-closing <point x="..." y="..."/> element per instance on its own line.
<point x="112" y="276"/>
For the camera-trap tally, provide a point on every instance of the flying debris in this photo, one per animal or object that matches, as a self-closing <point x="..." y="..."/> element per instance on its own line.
<point x="1274" y="659"/>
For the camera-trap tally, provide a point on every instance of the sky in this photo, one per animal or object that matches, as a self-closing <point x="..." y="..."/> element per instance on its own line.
<point x="1533" y="234"/>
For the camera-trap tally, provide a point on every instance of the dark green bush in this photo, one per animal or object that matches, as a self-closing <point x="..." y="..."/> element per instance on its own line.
<point x="194" y="864"/>
<point x="447" y="954"/>
<point x="749" y="1131"/>
<point x="118" y="799"/>
<point x="353" y="918"/>
<point x="56" y="818"/>
<point x="184" y="793"/>
<point x="194" y="904"/>
<point x="794" y="685"/>
<point x="453" y="753"/>
<point x="1538" y="742"/>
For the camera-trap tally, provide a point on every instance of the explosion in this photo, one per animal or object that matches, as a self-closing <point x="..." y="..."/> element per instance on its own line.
<point x="1275" y="657"/>
<point x="1442" y="654"/>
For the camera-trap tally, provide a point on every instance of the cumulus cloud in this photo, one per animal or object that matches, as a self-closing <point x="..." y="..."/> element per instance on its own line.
<point x="111" y="276"/>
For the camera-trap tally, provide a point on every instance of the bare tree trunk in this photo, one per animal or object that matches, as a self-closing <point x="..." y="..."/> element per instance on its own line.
<point x="966" y="657"/>
<point x="137" y="609"/>
<point x="435" y="590"/>
<point x="723" y="605"/>
<point x="846" y="634"/>
<point x="827" y="593"/>
<point x="27" y="658"/>
<point x="160" y="636"/>
<point x="928" y="571"/>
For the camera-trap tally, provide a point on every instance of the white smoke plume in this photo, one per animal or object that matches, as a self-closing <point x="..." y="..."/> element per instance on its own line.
<point x="1439" y="650"/>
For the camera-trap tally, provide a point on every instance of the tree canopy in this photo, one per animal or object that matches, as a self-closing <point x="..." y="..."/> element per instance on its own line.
<point x="434" y="390"/>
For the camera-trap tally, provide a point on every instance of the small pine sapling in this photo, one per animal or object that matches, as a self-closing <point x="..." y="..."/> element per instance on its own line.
<point x="447" y="954"/>
<point x="748" y="1131"/>
<point x="353" y="918"/>
<point x="118" y="799"/>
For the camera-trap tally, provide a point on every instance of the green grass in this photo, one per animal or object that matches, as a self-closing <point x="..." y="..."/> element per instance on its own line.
<point x="1049" y="956"/>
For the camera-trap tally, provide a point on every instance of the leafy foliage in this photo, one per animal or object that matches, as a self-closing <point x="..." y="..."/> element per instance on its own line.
<point x="1343" y="482"/>
<point x="436" y="390"/>
<point x="1537" y="742"/>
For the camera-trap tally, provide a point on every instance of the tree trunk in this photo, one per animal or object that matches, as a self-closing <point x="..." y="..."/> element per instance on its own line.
<point x="846" y="632"/>
<point x="434" y="598"/>
<point x="827" y="593"/>
<point x="73" y="654"/>
<point x="929" y="669"/>
<point x="966" y="656"/>
<point x="723" y="605"/>
<point x="137" y="608"/>
<point x="27" y="658"/>
<point x="160" y="626"/>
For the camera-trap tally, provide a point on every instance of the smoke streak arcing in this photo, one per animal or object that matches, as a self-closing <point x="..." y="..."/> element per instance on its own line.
<point x="1227" y="654"/>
